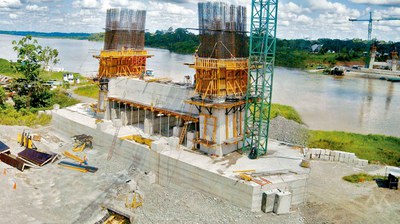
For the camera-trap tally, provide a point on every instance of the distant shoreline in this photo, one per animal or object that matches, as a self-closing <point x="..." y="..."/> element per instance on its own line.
<point x="55" y="35"/>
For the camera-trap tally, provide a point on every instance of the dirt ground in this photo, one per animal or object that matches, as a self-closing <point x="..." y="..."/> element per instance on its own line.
<point x="54" y="195"/>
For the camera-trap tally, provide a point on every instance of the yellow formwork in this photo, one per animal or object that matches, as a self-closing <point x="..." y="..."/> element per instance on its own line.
<point x="221" y="77"/>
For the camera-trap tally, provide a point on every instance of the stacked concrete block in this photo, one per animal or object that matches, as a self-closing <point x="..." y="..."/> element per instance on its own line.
<point x="268" y="200"/>
<point x="283" y="202"/>
<point x="335" y="156"/>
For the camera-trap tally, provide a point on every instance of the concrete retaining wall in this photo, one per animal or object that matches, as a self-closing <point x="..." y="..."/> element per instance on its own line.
<point x="174" y="171"/>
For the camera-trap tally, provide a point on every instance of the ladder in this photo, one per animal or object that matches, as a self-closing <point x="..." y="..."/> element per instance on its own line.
<point x="183" y="133"/>
<point x="114" y="142"/>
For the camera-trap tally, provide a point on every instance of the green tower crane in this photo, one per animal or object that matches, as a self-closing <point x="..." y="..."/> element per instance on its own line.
<point x="260" y="76"/>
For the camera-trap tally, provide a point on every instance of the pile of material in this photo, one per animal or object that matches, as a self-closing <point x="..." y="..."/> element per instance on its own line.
<point x="29" y="157"/>
<point x="80" y="164"/>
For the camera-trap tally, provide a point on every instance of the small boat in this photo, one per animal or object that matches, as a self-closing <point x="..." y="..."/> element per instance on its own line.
<point x="396" y="79"/>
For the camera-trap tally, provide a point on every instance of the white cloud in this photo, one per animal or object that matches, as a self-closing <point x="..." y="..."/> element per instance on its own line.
<point x="36" y="8"/>
<point x="13" y="16"/>
<point x="10" y="3"/>
<point x="86" y="4"/>
<point x="377" y="2"/>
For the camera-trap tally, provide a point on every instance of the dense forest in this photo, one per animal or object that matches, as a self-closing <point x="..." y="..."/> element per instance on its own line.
<point x="77" y="36"/>
<point x="294" y="53"/>
<point x="290" y="53"/>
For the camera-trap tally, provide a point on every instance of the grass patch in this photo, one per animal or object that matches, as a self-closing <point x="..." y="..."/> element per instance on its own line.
<point x="5" y="69"/>
<point x="91" y="91"/>
<point x="378" y="149"/>
<point x="362" y="177"/>
<point x="61" y="98"/>
<point x="287" y="112"/>
<point x="10" y="116"/>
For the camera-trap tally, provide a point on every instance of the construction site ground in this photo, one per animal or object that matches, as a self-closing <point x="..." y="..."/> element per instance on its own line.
<point x="52" y="194"/>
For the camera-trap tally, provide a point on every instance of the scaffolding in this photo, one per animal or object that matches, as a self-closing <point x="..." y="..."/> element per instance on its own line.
<point x="122" y="63"/>
<point x="125" y="29"/>
<point x="220" y="77"/>
<point x="222" y="30"/>
<point x="123" y="54"/>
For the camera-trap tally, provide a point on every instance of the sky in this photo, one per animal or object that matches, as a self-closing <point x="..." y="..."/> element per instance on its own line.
<point x="305" y="19"/>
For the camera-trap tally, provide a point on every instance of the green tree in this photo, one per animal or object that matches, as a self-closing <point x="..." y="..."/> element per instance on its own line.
<point x="30" y="57"/>
<point x="48" y="55"/>
<point x="2" y="96"/>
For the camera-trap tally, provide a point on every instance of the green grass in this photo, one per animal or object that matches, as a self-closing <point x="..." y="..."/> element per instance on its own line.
<point x="6" y="70"/>
<point x="287" y="112"/>
<point x="91" y="91"/>
<point x="377" y="149"/>
<point x="362" y="177"/>
<point x="10" y="116"/>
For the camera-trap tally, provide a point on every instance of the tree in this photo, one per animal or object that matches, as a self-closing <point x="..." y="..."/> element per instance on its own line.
<point x="48" y="55"/>
<point x="2" y="96"/>
<point x="30" y="57"/>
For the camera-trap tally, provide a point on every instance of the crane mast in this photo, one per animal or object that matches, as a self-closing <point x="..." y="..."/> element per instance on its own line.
<point x="261" y="75"/>
<point x="370" y="20"/>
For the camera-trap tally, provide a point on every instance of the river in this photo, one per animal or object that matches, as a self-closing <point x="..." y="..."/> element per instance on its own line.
<point x="324" y="102"/>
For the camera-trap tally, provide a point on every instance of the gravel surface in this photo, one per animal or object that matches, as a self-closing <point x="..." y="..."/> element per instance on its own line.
<point x="288" y="131"/>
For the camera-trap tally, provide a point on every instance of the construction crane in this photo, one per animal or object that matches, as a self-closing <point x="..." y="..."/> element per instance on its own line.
<point x="370" y="20"/>
<point x="260" y="76"/>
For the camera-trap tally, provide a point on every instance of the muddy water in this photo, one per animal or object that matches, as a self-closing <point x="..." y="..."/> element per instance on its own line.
<point x="325" y="103"/>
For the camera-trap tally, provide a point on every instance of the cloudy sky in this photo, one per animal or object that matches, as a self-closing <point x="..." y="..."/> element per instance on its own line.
<point x="297" y="18"/>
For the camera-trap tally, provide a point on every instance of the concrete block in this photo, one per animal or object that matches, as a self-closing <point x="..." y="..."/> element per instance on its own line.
<point x="327" y="152"/>
<point x="173" y="142"/>
<point x="332" y="158"/>
<point x="363" y="162"/>
<point x="337" y="156"/>
<point x="132" y="185"/>
<point x="149" y="178"/>
<point x="268" y="200"/>
<point x="322" y="152"/>
<point x="282" y="203"/>
<point x="342" y="157"/>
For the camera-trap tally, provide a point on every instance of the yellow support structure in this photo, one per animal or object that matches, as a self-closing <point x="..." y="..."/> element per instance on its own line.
<point x="79" y="148"/>
<point x="137" y="201"/>
<point x="74" y="157"/>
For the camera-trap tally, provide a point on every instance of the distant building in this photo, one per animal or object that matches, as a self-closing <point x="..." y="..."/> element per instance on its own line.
<point x="316" y="48"/>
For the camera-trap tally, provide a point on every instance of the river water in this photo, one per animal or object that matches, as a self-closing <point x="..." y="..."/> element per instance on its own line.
<point x="324" y="102"/>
